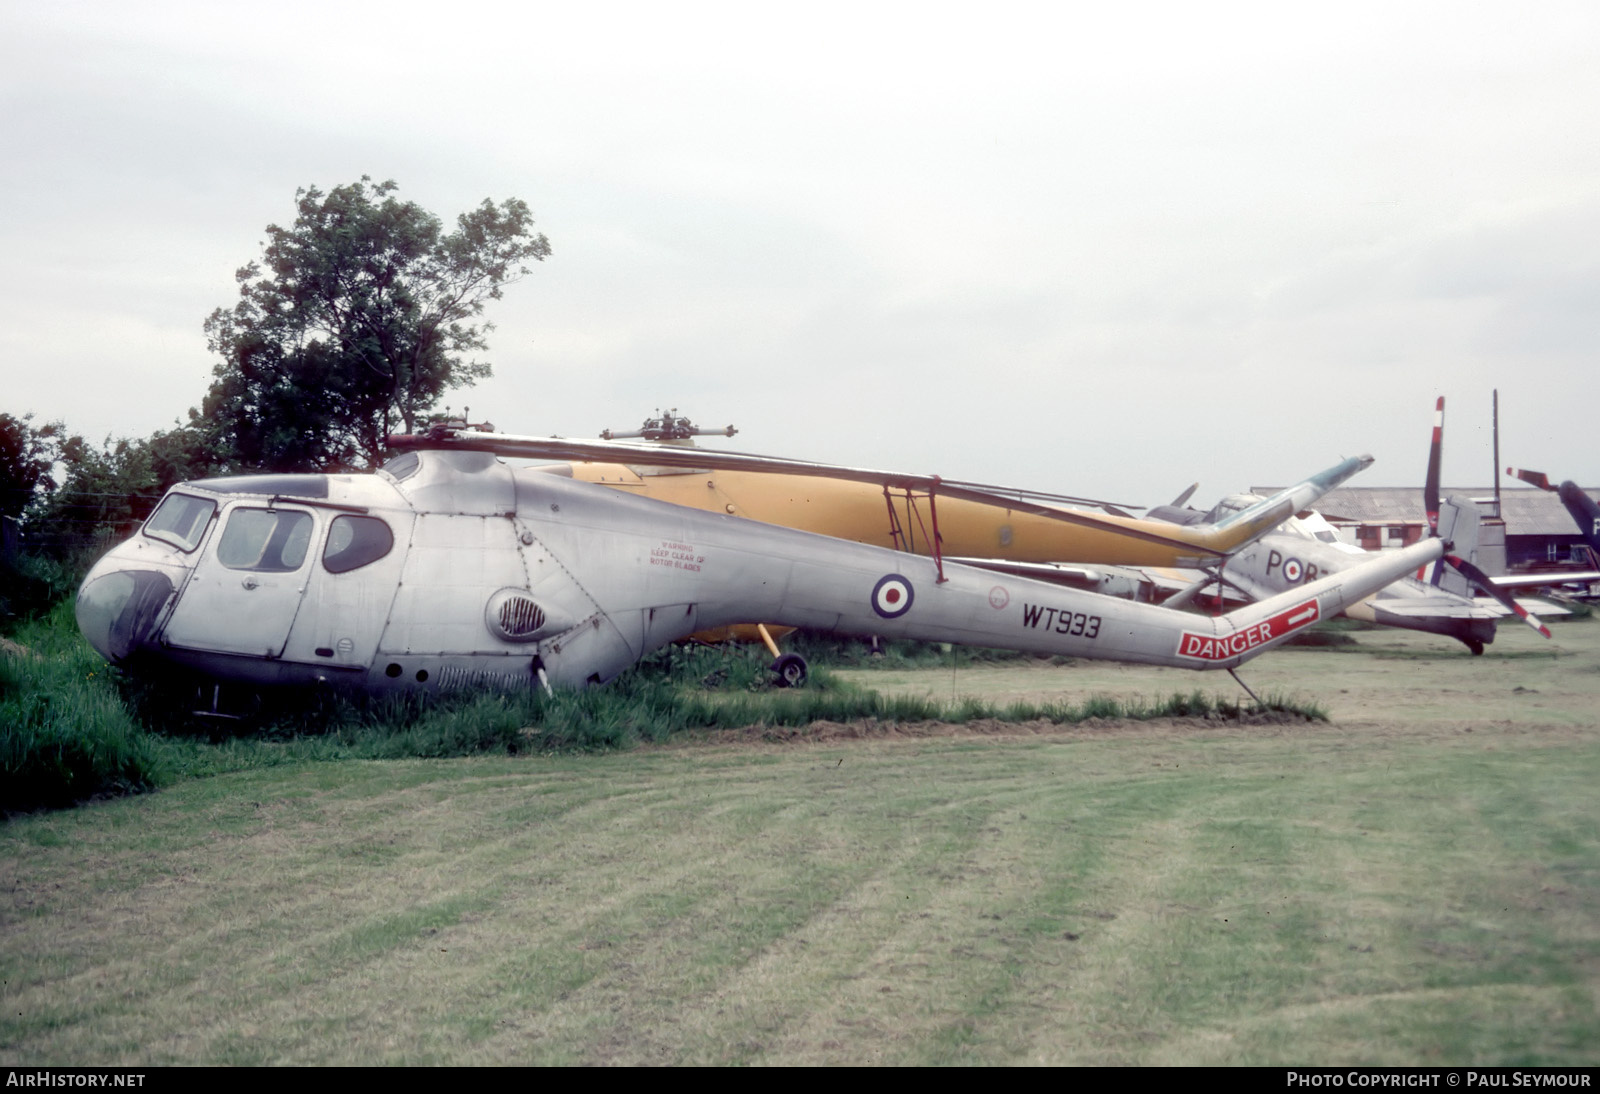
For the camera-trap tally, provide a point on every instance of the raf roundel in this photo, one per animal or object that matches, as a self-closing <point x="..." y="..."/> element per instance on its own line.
<point x="892" y="596"/>
<point x="1292" y="569"/>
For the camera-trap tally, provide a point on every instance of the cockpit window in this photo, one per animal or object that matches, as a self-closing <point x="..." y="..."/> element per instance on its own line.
<point x="180" y="520"/>
<point x="272" y="541"/>
<point x="403" y="466"/>
<point x="355" y="541"/>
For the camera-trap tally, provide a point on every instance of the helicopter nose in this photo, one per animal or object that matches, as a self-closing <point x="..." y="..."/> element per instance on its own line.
<point x="116" y="610"/>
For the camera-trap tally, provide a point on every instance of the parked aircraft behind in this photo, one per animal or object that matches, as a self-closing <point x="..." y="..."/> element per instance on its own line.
<point x="1305" y="548"/>
<point x="450" y="569"/>
<point x="1582" y="507"/>
<point x="1302" y="550"/>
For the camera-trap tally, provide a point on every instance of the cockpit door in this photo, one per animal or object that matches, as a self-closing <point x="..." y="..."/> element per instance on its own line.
<point x="248" y="584"/>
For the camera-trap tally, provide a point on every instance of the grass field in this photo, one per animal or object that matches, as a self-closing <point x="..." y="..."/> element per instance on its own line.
<point x="1417" y="881"/>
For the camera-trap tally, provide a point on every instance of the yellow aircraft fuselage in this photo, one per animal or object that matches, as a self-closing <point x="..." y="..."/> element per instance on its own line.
<point x="860" y="512"/>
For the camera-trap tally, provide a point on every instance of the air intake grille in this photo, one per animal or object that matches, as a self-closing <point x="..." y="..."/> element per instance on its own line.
<point x="520" y="617"/>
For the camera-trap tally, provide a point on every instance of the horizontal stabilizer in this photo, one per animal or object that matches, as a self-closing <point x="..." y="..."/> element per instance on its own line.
<point x="1440" y="607"/>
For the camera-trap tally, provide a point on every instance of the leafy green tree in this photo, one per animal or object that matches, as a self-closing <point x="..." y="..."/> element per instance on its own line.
<point x="357" y="320"/>
<point x="107" y="490"/>
<point x="26" y="456"/>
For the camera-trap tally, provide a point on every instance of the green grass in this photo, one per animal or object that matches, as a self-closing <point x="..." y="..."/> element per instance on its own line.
<point x="847" y="651"/>
<point x="1419" y="885"/>
<point x="1218" y="896"/>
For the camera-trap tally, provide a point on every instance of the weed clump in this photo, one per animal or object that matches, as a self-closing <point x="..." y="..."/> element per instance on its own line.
<point x="65" y="734"/>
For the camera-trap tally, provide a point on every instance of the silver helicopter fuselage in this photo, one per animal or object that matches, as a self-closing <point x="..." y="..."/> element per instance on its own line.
<point x="452" y="569"/>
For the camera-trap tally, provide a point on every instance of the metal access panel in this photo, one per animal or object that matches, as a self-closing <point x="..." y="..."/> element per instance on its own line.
<point x="454" y="563"/>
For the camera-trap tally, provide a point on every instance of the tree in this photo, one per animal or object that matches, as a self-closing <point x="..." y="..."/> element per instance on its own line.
<point x="106" y="491"/>
<point x="26" y="456"/>
<point x="366" y="315"/>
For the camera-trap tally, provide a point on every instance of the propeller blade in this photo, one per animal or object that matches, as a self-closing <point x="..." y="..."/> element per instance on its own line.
<point x="1532" y="478"/>
<point x="1484" y="582"/>
<point x="1430" y="489"/>
<point x="1183" y="499"/>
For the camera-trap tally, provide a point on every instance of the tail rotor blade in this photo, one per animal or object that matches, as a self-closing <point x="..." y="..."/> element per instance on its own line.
<point x="1532" y="478"/>
<point x="1484" y="582"/>
<point x="1430" y="490"/>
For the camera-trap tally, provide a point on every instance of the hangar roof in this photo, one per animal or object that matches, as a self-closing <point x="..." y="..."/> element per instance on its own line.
<point x="1527" y="512"/>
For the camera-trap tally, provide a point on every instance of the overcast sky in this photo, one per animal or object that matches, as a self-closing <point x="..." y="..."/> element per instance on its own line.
<point x="1102" y="249"/>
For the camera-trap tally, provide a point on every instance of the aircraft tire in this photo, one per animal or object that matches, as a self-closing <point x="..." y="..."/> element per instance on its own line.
<point x="1475" y="646"/>
<point x="790" y="670"/>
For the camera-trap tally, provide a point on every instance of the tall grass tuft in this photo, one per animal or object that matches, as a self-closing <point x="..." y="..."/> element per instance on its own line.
<point x="65" y="734"/>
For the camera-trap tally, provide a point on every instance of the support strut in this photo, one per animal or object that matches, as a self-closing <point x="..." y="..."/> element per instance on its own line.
<point x="899" y="536"/>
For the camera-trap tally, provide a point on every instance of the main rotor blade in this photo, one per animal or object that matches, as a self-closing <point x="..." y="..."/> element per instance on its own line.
<point x="1430" y="488"/>
<point x="1486" y="583"/>
<point x="583" y="451"/>
<point x="658" y="455"/>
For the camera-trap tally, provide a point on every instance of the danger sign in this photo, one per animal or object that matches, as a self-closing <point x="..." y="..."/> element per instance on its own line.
<point x="1210" y="647"/>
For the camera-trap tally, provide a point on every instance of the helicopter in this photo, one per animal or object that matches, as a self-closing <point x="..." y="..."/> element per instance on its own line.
<point x="449" y="568"/>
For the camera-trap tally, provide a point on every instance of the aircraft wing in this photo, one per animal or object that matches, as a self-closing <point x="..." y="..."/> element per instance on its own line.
<point x="1546" y="580"/>
<point x="1439" y="607"/>
<point x="1147" y="584"/>
<point x="1454" y="607"/>
<point x="1058" y="573"/>
<point x="1165" y="579"/>
<point x="1193" y="541"/>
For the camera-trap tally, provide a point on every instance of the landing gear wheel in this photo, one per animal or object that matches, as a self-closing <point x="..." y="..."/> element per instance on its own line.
<point x="1475" y="646"/>
<point x="790" y="670"/>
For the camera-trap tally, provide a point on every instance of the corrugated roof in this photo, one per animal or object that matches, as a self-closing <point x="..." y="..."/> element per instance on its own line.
<point x="1527" y="512"/>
